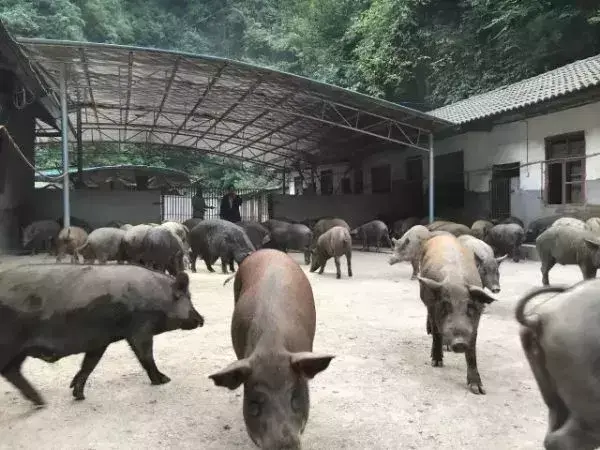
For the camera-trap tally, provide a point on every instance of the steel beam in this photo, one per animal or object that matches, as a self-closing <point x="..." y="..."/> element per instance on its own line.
<point x="167" y="91"/>
<point x="431" y="179"/>
<point x="86" y="71"/>
<point x="129" y="86"/>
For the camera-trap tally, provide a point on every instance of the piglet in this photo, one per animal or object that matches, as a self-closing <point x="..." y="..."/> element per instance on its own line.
<point x="272" y="330"/>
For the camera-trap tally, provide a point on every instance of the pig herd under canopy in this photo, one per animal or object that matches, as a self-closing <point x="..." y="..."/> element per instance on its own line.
<point x="455" y="265"/>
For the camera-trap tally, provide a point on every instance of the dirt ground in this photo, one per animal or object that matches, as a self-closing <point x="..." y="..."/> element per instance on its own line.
<point x="379" y="393"/>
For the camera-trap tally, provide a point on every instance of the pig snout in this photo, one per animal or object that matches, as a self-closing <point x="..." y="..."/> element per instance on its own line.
<point x="194" y="320"/>
<point x="286" y="440"/>
<point x="393" y="260"/>
<point x="495" y="289"/>
<point x="459" y="345"/>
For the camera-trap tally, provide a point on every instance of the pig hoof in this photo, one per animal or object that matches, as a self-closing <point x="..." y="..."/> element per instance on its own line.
<point x="437" y="363"/>
<point x="161" y="379"/>
<point x="41" y="405"/>
<point x="78" y="395"/>
<point x="476" y="388"/>
<point x="338" y="276"/>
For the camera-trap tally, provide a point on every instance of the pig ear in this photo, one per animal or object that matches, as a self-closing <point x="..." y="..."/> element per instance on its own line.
<point x="592" y="243"/>
<point x="429" y="283"/>
<point x="502" y="258"/>
<point x="394" y="241"/>
<point x="181" y="284"/>
<point x="309" y="364"/>
<point x="477" y="259"/>
<point x="480" y="295"/>
<point x="266" y="239"/>
<point x="233" y="375"/>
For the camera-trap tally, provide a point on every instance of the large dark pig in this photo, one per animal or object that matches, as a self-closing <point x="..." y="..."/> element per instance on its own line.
<point x="258" y="234"/>
<point x="451" y="289"/>
<point x="513" y="219"/>
<point x="68" y="241"/>
<point x="457" y="229"/>
<point x="325" y="224"/>
<point x="409" y="247"/>
<point x="487" y="265"/>
<point x="289" y="236"/>
<point x="480" y="228"/>
<point x="562" y="342"/>
<point x="191" y="223"/>
<point x="76" y="222"/>
<point x="50" y="311"/>
<point x="373" y="231"/>
<point x="217" y="238"/>
<point x="40" y="235"/>
<point x="272" y="330"/>
<point x="568" y="245"/>
<point x="162" y="250"/>
<point x="334" y="243"/>
<point x="103" y="244"/>
<point x="539" y="225"/>
<point x="506" y="239"/>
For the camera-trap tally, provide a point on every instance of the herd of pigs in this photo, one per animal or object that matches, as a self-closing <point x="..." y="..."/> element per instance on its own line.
<point x="50" y="311"/>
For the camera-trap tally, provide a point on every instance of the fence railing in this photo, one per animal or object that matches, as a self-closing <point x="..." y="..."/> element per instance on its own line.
<point x="255" y="205"/>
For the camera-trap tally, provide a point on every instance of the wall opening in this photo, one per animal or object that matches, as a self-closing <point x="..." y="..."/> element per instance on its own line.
<point x="565" y="169"/>
<point x="381" y="179"/>
<point x="327" y="182"/>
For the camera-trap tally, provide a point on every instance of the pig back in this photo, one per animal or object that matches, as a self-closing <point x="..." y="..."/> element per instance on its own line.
<point x="325" y="224"/>
<point x="445" y="257"/>
<point x="274" y="304"/>
<point x="335" y="242"/>
<point x="565" y="244"/>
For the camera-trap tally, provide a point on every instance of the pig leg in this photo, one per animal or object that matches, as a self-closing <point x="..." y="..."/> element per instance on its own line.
<point x="349" y="263"/>
<point x="437" y="354"/>
<point x="473" y="377"/>
<point x="12" y="373"/>
<point x="516" y="253"/>
<point x="338" y="271"/>
<point x="209" y="264"/>
<point x="365" y="242"/>
<point x="547" y="264"/>
<point x="588" y="271"/>
<point x="231" y="267"/>
<point x="142" y="345"/>
<point x="89" y="363"/>
<point x="415" y="266"/>
<point x="193" y="258"/>
<point x="571" y="436"/>
<point x="323" y="267"/>
<point x="224" y="266"/>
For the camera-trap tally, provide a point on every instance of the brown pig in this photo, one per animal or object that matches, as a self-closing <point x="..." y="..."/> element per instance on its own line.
<point x="69" y="239"/>
<point x="272" y="330"/>
<point x="452" y="292"/>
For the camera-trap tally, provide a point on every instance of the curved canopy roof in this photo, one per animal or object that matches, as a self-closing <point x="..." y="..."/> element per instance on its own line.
<point x="220" y="107"/>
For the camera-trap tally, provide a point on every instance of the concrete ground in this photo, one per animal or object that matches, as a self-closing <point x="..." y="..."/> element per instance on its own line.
<point x="379" y="393"/>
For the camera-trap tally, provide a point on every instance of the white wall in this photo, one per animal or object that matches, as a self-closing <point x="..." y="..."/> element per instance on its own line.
<point x="100" y="207"/>
<point x="339" y="171"/>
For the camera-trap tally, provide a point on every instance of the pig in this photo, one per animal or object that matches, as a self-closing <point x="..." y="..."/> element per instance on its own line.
<point x="480" y="228"/>
<point x="440" y="233"/>
<point x="259" y="235"/>
<point x="560" y="342"/>
<point x="374" y="230"/>
<point x="593" y="225"/>
<point x="162" y="250"/>
<point x="513" y="219"/>
<point x="181" y="233"/>
<point x="126" y="227"/>
<point x="451" y="289"/>
<point x="425" y="220"/>
<point x="40" y="235"/>
<point x="569" y="222"/>
<point x="217" y="238"/>
<point x="76" y="222"/>
<point x="568" y="245"/>
<point x="409" y="247"/>
<point x="407" y="224"/>
<point x="272" y="331"/>
<point x="114" y="224"/>
<point x="50" y="311"/>
<point x="539" y="225"/>
<point x="325" y="224"/>
<point x="506" y="238"/>
<point x="133" y="243"/>
<point x="290" y="236"/>
<point x="457" y="229"/>
<point x="103" y="244"/>
<point x="191" y="223"/>
<point x="335" y="242"/>
<point x="486" y="264"/>
<point x="69" y="239"/>
<point x="436" y="224"/>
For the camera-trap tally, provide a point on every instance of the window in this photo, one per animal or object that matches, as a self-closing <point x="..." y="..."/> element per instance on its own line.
<point x="326" y="182"/>
<point x="346" y="187"/>
<point x="381" y="179"/>
<point x="565" y="169"/>
<point x="414" y="169"/>
<point x="298" y="185"/>
<point x="358" y="181"/>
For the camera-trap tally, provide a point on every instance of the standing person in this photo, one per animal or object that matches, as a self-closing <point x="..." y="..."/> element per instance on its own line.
<point x="230" y="206"/>
<point x="199" y="204"/>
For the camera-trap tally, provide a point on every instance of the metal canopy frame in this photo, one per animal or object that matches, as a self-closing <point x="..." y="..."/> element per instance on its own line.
<point x="220" y="107"/>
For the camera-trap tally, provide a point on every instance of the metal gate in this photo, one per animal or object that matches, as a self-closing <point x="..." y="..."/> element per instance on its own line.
<point x="500" y="197"/>
<point x="256" y="205"/>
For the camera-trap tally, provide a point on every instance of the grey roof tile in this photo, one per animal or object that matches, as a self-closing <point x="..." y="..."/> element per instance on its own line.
<point x="558" y="82"/>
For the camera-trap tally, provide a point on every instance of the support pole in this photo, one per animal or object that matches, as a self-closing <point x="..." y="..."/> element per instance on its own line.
<point x="431" y="179"/>
<point x="283" y="190"/>
<point x="79" y="150"/>
<point x="64" y="125"/>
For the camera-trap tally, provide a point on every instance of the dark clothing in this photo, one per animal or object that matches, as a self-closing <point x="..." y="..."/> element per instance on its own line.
<point x="230" y="208"/>
<point x="199" y="206"/>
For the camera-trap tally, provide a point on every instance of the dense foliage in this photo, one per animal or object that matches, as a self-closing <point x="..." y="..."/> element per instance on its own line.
<point x="424" y="53"/>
